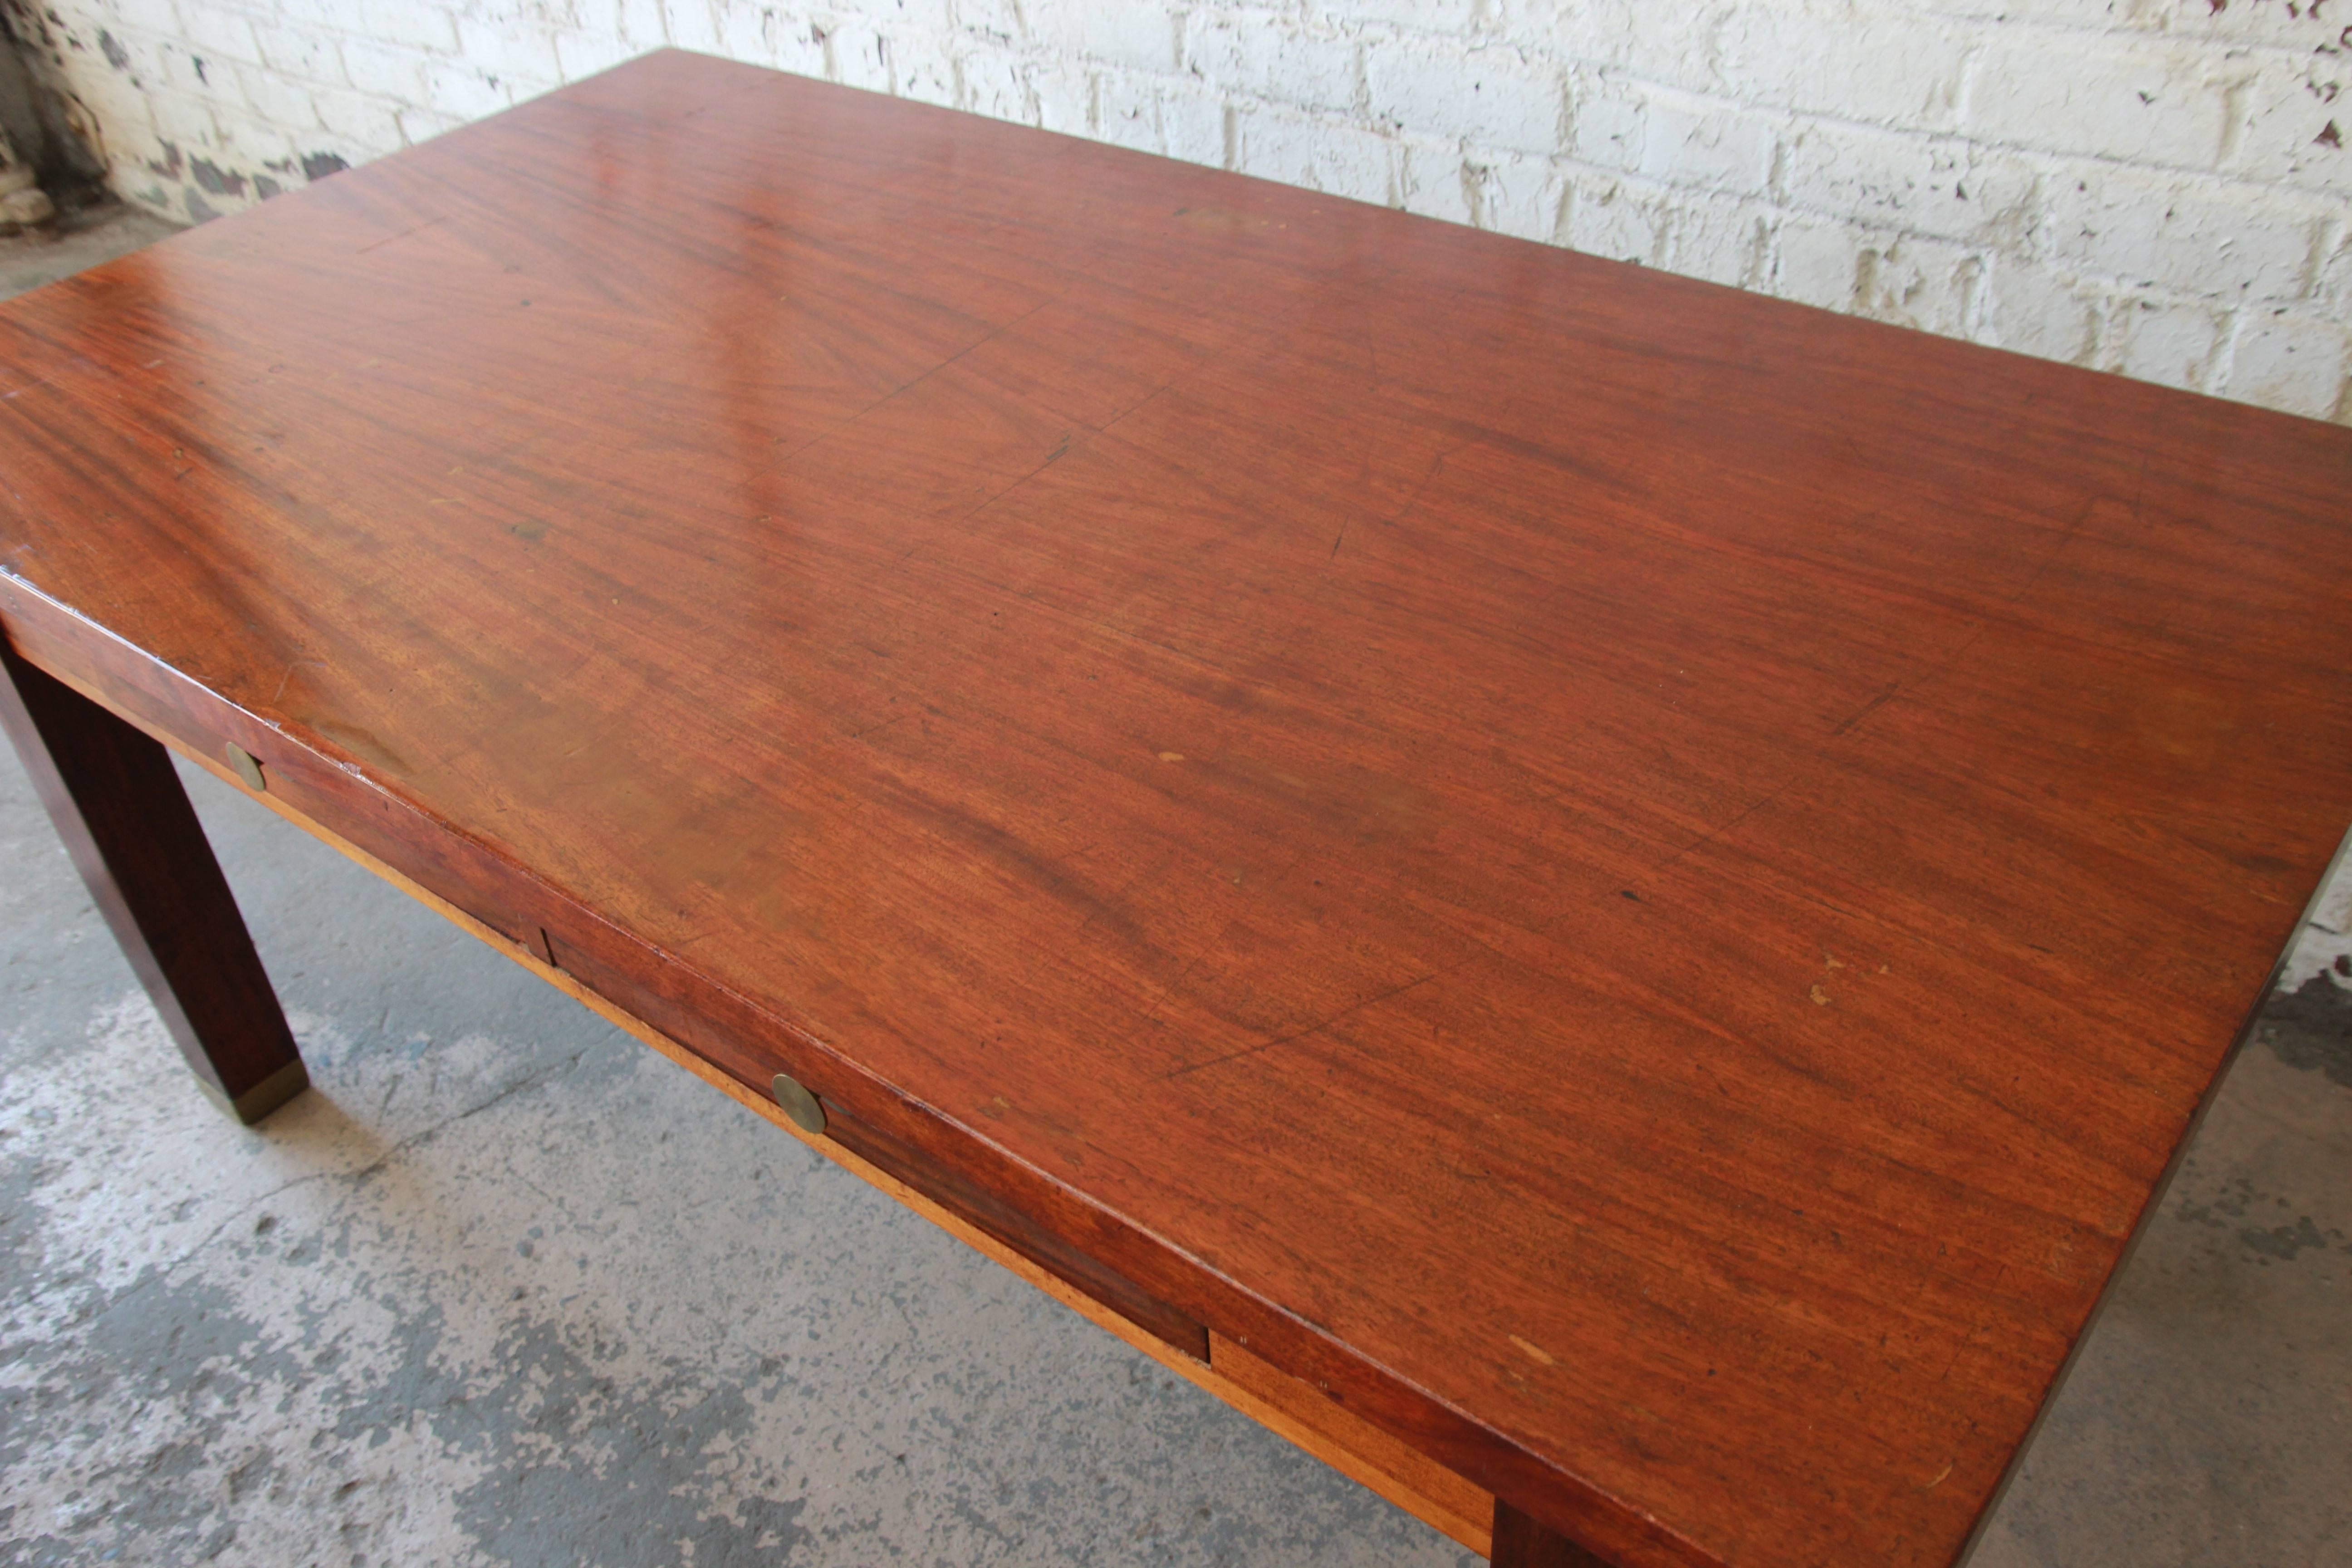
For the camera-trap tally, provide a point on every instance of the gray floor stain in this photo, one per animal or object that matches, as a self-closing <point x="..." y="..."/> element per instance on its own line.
<point x="2310" y="1029"/>
<point x="507" y="1289"/>
<point x="585" y="1476"/>
<point x="2238" y="1202"/>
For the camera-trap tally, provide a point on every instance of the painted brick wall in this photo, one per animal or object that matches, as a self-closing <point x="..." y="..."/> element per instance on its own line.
<point x="2153" y="186"/>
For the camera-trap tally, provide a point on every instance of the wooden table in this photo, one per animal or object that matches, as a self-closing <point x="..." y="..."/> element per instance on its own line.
<point x="1605" y="900"/>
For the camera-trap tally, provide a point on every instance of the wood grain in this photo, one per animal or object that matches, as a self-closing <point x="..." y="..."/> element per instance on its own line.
<point x="115" y="801"/>
<point x="1642" y="882"/>
<point x="1520" y="1542"/>
<point x="1311" y="1418"/>
<point x="985" y="1211"/>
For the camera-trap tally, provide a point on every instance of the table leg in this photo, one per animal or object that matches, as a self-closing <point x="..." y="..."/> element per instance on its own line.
<point x="118" y="804"/>
<point x="1521" y="1543"/>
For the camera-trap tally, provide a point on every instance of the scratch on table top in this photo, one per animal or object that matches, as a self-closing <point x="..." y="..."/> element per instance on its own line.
<point x="1315" y="1027"/>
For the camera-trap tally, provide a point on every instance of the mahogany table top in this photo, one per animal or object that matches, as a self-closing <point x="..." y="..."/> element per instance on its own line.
<point x="1642" y="882"/>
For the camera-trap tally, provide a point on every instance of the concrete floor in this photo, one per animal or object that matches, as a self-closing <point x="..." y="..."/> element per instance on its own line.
<point x="78" y="239"/>
<point x="460" y="1305"/>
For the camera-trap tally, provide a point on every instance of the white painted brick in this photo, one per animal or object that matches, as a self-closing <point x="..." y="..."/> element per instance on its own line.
<point x="277" y="99"/>
<point x="523" y="88"/>
<point x="421" y="26"/>
<point x="1721" y="239"/>
<point x="1299" y="150"/>
<point x="296" y="52"/>
<point x="996" y="21"/>
<point x="358" y="124"/>
<point x="2294" y="123"/>
<point x="1061" y="96"/>
<point x="1815" y="262"/>
<point x="386" y="70"/>
<point x="2034" y="310"/>
<point x="424" y="124"/>
<point x="1904" y="280"/>
<point x="772" y="38"/>
<point x="320" y="16"/>
<point x="245" y="143"/>
<point x="1266" y="54"/>
<point x="184" y="122"/>
<point x="2191" y="236"/>
<point x="1449" y="17"/>
<point x="2169" y="341"/>
<point x="993" y="84"/>
<point x="2335" y="287"/>
<point x="1518" y="193"/>
<point x="897" y="18"/>
<point x="131" y="146"/>
<point x="464" y="92"/>
<point x="1616" y="219"/>
<point x="922" y="67"/>
<point x="2290" y="359"/>
<point x="545" y="15"/>
<point x="2140" y="101"/>
<point x="394" y="22"/>
<point x="856" y="56"/>
<point x="158" y="16"/>
<point x="132" y="166"/>
<point x="507" y="49"/>
<point x="744" y="32"/>
<point x="1137" y="34"/>
<point x="797" y="45"/>
<point x="215" y="76"/>
<point x="801" y="46"/>
<point x="2245" y="22"/>
<point x="125" y="110"/>
<point x="1127" y="110"/>
<point x="1491" y="96"/>
<point x="192" y="72"/>
<point x="1195" y="125"/>
<point x="1605" y="119"/>
<point x="1916" y="283"/>
<point x="1670" y="136"/>
<point x="1675" y="46"/>
<point x="2151" y="16"/>
<point x="219" y="34"/>
<point x="1433" y="179"/>
<point x="640" y="24"/>
<point x="1859" y="67"/>
<point x="579" y="55"/>
<point x="693" y="25"/>
<point x="1690" y="141"/>
<point x="152" y="62"/>
<point x="1938" y="186"/>
<point x="121" y="114"/>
